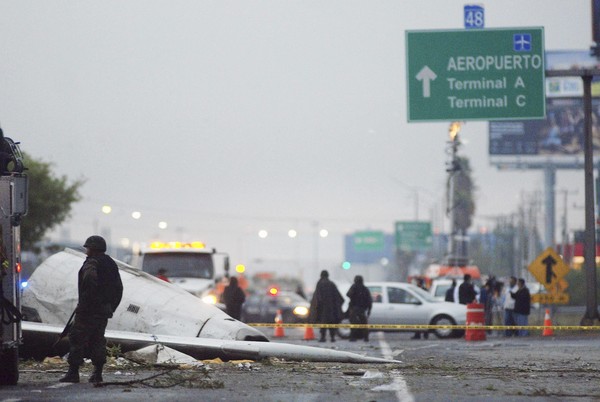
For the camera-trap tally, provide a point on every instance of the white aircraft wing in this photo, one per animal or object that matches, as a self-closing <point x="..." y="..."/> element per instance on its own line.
<point x="39" y="338"/>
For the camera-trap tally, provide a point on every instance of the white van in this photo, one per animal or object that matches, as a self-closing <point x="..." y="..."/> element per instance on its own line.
<point x="440" y="286"/>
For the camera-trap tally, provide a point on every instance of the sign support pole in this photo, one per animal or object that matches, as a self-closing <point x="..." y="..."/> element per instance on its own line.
<point x="550" y="195"/>
<point x="591" y="311"/>
<point x="589" y="253"/>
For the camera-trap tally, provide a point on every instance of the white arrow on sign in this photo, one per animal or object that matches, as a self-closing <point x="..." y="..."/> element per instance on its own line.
<point x="426" y="75"/>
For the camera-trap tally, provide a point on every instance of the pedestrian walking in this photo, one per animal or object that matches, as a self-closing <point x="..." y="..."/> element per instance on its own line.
<point x="466" y="291"/>
<point x="508" y="303"/>
<point x="522" y="306"/>
<point x="326" y="305"/>
<point x="359" y="308"/>
<point x="99" y="290"/>
<point x="233" y="297"/>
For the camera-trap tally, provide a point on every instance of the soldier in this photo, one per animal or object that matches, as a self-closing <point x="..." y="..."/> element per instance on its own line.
<point x="100" y="290"/>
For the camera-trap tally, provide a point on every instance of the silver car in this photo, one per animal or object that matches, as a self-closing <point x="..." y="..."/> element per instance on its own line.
<point x="405" y="304"/>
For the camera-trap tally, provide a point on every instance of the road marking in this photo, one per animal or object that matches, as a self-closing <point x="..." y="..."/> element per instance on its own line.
<point x="61" y="385"/>
<point x="398" y="384"/>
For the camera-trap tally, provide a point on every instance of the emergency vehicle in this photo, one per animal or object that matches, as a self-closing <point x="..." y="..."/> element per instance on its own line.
<point x="192" y="266"/>
<point x="13" y="206"/>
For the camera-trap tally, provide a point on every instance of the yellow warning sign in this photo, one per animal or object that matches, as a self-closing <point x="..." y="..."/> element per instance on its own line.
<point x="549" y="268"/>
<point x="550" y="298"/>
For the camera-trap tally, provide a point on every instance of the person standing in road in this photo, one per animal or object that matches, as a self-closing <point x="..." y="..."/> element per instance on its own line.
<point x="466" y="291"/>
<point x="359" y="308"/>
<point x="450" y="292"/>
<point x="486" y="297"/>
<point x="508" y="304"/>
<point x="522" y="306"/>
<point x="100" y="291"/>
<point x="326" y="305"/>
<point x="233" y="297"/>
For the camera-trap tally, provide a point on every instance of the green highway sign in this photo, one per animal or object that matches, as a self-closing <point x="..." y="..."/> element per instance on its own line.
<point x="475" y="74"/>
<point x="413" y="235"/>
<point x="369" y="241"/>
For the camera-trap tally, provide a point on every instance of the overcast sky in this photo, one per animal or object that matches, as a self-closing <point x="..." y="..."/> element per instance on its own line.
<point x="222" y="118"/>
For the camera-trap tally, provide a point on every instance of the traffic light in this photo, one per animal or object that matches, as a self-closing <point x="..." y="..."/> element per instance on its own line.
<point x="346" y="265"/>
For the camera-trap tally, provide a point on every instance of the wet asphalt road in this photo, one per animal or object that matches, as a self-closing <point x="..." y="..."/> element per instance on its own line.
<point x="565" y="367"/>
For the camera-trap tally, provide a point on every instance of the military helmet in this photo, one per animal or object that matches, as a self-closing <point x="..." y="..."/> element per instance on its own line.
<point x="95" y="243"/>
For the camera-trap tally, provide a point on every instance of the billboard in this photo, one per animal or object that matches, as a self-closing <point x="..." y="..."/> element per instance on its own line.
<point x="559" y="137"/>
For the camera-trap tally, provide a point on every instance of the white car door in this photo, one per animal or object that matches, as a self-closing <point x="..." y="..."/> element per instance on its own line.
<point x="378" y="311"/>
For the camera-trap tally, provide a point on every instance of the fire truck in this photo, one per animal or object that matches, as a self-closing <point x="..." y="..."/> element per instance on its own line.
<point x="13" y="206"/>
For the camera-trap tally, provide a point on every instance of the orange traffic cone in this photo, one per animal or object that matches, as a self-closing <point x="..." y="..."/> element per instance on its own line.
<point x="547" y="325"/>
<point x="309" y="334"/>
<point x="279" y="333"/>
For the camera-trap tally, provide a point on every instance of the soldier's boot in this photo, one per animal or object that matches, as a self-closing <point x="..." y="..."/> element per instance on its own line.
<point x="96" y="374"/>
<point x="72" y="375"/>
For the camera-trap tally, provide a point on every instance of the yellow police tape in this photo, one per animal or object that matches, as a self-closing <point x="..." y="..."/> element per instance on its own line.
<point x="413" y="327"/>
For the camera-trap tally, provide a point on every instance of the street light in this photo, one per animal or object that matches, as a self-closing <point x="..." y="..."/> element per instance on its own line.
<point x="263" y="234"/>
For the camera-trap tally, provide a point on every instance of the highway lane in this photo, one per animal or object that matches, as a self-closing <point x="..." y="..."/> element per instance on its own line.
<point x="564" y="367"/>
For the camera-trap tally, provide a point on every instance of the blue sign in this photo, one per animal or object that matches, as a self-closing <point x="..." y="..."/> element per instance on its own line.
<point x="474" y="17"/>
<point x="522" y="42"/>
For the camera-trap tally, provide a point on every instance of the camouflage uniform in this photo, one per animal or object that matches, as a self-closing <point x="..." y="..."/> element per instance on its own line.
<point x="100" y="291"/>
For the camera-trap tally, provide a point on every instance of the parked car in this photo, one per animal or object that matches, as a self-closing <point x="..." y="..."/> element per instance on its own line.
<point x="263" y="307"/>
<point x="405" y="304"/>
